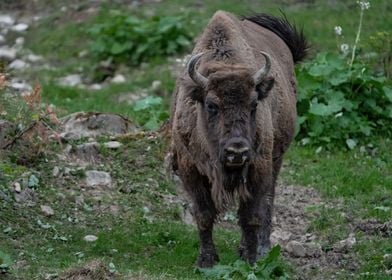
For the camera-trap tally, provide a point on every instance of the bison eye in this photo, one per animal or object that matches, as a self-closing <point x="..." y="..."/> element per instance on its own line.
<point x="212" y="108"/>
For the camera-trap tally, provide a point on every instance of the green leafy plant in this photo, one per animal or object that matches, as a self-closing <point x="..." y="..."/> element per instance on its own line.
<point x="339" y="103"/>
<point x="266" y="268"/>
<point x="150" y="112"/>
<point x="131" y="40"/>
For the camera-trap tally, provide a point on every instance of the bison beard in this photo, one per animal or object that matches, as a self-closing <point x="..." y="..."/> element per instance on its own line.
<point x="234" y="182"/>
<point x="238" y="89"/>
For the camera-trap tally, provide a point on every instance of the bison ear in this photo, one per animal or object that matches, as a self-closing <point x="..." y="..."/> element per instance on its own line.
<point x="264" y="87"/>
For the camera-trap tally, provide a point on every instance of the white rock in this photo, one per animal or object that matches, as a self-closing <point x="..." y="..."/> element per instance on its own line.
<point x="345" y="244"/>
<point x="7" y="53"/>
<point x="21" y="86"/>
<point x="34" y="58"/>
<point x="118" y="79"/>
<point x="17" y="187"/>
<point x="95" y="87"/>
<point x="156" y="85"/>
<point x="279" y="236"/>
<point x="296" y="249"/>
<point x="98" y="178"/>
<point x="47" y="210"/>
<point x="6" y="20"/>
<point x="18" y="64"/>
<point x="112" y="144"/>
<point x="20" y="27"/>
<point x="56" y="171"/>
<point x="19" y="41"/>
<point x="90" y="238"/>
<point x="70" y="80"/>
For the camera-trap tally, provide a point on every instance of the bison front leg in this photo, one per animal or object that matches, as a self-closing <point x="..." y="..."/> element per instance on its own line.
<point x="255" y="217"/>
<point x="205" y="213"/>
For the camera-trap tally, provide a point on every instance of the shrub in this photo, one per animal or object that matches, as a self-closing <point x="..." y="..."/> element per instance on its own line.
<point x="149" y="112"/>
<point x="131" y="40"/>
<point x="340" y="103"/>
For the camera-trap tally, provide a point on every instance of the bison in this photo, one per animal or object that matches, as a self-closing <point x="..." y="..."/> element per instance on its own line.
<point x="233" y="117"/>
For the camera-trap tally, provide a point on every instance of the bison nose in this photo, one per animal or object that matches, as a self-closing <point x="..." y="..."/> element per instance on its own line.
<point x="236" y="153"/>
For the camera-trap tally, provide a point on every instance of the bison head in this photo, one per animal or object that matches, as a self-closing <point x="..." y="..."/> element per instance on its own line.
<point x="229" y="98"/>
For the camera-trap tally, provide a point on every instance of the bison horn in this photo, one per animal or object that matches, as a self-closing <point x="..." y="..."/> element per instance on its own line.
<point x="198" y="78"/>
<point x="260" y="74"/>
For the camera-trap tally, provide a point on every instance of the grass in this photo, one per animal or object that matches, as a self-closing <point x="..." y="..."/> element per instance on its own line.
<point x="354" y="185"/>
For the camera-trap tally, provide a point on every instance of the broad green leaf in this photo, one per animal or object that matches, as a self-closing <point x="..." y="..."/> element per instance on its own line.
<point x="388" y="92"/>
<point x="146" y="103"/>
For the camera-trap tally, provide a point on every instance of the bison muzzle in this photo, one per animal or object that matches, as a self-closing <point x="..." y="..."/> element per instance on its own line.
<point x="232" y="119"/>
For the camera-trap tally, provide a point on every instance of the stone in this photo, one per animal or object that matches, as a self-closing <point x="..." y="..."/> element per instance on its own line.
<point x="18" y="64"/>
<point x="112" y="145"/>
<point x="26" y="196"/>
<point x="118" y="79"/>
<point x="7" y="53"/>
<point x="21" y="86"/>
<point x="70" y="80"/>
<point x="2" y="39"/>
<point x="83" y="125"/>
<point x="17" y="187"/>
<point x="20" y="27"/>
<point x="156" y="86"/>
<point x="345" y="244"/>
<point x="312" y="249"/>
<point x="56" y="171"/>
<point x="6" y="20"/>
<point x="47" y="210"/>
<point x="86" y="152"/>
<point x="279" y="236"/>
<point x="33" y="58"/>
<point x="19" y="41"/>
<point x="90" y="238"/>
<point x="98" y="178"/>
<point x="95" y="87"/>
<point x="296" y="249"/>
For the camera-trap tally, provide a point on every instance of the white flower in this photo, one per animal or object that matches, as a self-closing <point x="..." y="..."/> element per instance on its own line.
<point x="338" y="30"/>
<point x="364" y="5"/>
<point x="344" y="48"/>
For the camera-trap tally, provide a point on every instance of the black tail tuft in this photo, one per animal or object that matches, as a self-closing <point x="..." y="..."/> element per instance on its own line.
<point x="293" y="37"/>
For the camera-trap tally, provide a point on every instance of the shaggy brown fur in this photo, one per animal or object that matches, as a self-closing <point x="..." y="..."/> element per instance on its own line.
<point x="232" y="112"/>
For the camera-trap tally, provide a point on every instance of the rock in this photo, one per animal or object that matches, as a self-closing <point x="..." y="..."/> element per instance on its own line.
<point x="20" y="27"/>
<point x="33" y="58"/>
<point x="112" y="145"/>
<point x="156" y="86"/>
<point x="7" y="53"/>
<point x="86" y="152"/>
<point x="118" y="79"/>
<point x="6" y="20"/>
<point x="70" y="80"/>
<point x="345" y="244"/>
<point x="90" y="238"/>
<point x="80" y="125"/>
<point x="56" y="171"/>
<point x="19" y="42"/>
<point x="98" y="178"/>
<point x="388" y="272"/>
<point x="279" y="236"/>
<point x="47" y="210"/>
<point x="21" y="86"/>
<point x="296" y="249"/>
<point x="18" y="64"/>
<point x="95" y="87"/>
<point x="17" y="187"/>
<point x="26" y="196"/>
<point x="312" y="249"/>
<point x="2" y="39"/>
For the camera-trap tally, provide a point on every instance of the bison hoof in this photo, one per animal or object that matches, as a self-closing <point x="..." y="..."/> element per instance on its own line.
<point x="206" y="260"/>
